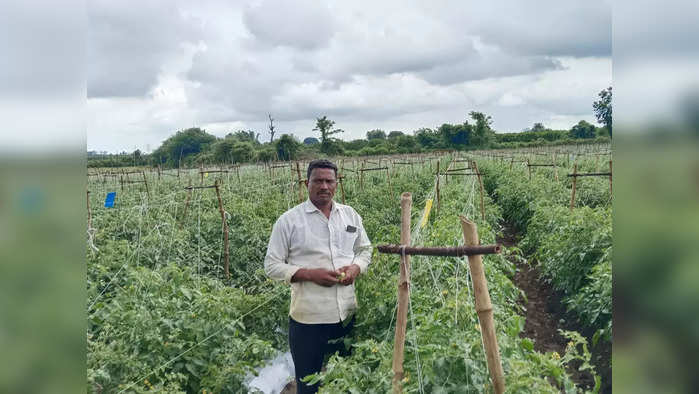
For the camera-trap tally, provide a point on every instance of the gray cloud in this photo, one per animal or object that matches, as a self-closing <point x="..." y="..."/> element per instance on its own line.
<point x="303" y="24"/>
<point x="128" y="44"/>
<point x="576" y="28"/>
<point x="41" y="49"/>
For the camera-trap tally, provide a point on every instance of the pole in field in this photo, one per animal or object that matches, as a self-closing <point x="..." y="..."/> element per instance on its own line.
<point x="575" y="180"/>
<point x="406" y="202"/>
<point x="224" y="223"/>
<point x="484" y="308"/>
<point x="342" y="189"/>
<point x="89" y="212"/>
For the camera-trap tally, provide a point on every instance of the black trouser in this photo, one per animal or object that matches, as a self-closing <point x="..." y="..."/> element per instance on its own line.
<point x="309" y="345"/>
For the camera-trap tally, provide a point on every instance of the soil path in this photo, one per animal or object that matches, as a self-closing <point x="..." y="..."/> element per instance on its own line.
<point x="544" y="311"/>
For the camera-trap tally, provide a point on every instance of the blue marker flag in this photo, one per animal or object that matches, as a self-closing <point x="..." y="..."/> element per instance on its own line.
<point x="109" y="201"/>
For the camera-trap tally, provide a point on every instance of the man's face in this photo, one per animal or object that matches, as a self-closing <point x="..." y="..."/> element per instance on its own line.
<point x="322" y="185"/>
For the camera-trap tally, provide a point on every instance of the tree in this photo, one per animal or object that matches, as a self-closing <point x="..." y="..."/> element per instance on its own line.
<point x="582" y="130"/>
<point x="271" y="128"/>
<point x="482" y="135"/>
<point x="245" y="136"/>
<point x="376" y="134"/>
<point x="183" y="144"/>
<point x="137" y="156"/>
<point x="395" y="134"/>
<point x="603" y="108"/>
<point x="223" y="149"/>
<point x="427" y="138"/>
<point x="538" y="127"/>
<point x="310" y="141"/>
<point x="287" y="147"/>
<point x="325" y="126"/>
<point x="455" y="135"/>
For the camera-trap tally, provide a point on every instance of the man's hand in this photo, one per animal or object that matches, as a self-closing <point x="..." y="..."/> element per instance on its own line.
<point x="318" y="276"/>
<point x="348" y="274"/>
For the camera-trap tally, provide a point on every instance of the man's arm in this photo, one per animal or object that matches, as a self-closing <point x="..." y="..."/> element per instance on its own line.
<point x="278" y="251"/>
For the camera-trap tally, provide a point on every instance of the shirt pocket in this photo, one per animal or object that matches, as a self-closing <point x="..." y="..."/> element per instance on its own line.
<point x="346" y="244"/>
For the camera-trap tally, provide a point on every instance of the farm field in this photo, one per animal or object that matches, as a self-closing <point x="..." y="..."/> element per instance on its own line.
<point x="165" y="316"/>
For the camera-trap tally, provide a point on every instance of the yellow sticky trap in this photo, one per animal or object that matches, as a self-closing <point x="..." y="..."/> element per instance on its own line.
<point x="426" y="213"/>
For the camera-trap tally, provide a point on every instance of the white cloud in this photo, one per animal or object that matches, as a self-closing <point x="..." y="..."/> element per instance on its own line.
<point x="392" y="65"/>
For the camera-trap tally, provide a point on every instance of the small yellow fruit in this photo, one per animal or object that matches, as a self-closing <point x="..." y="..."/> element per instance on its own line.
<point x="342" y="275"/>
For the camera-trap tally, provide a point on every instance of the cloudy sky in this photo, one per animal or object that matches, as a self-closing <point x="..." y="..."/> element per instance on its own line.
<point x="155" y="67"/>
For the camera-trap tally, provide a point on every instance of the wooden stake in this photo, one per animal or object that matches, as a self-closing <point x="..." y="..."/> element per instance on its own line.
<point x="406" y="202"/>
<point x="438" y="199"/>
<point x="89" y="212"/>
<point x="388" y="176"/>
<point x="342" y="189"/>
<point x="575" y="180"/>
<point x="480" y="182"/>
<point x="186" y="203"/>
<point x="158" y="167"/>
<point x="484" y="308"/>
<point x="145" y="181"/>
<point x="610" y="178"/>
<point x="225" y="232"/>
<point x="361" y="178"/>
<point x="300" y="182"/>
<point x="530" y="170"/>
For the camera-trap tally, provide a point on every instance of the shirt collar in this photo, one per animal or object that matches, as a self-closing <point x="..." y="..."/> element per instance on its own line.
<point x="309" y="207"/>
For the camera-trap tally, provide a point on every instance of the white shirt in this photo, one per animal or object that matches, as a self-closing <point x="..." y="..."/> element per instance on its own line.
<point x="304" y="238"/>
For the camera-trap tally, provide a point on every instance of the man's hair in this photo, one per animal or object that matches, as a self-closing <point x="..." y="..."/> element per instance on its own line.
<point x="320" y="163"/>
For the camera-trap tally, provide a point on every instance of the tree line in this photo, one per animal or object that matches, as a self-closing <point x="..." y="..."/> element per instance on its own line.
<point x="193" y="146"/>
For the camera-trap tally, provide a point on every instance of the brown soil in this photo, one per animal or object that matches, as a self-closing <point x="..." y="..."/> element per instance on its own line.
<point x="545" y="314"/>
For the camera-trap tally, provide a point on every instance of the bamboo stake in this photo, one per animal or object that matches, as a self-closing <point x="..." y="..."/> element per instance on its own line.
<point x="225" y="231"/>
<point x="388" y="176"/>
<point x="484" y="308"/>
<point x="403" y="295"/>
<point x="121" y="182"/>
<point x="575" y="180"/>
<point x="529" y="168"/>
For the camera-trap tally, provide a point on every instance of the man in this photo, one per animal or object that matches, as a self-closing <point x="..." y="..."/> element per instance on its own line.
<point x="320" y="248"/>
